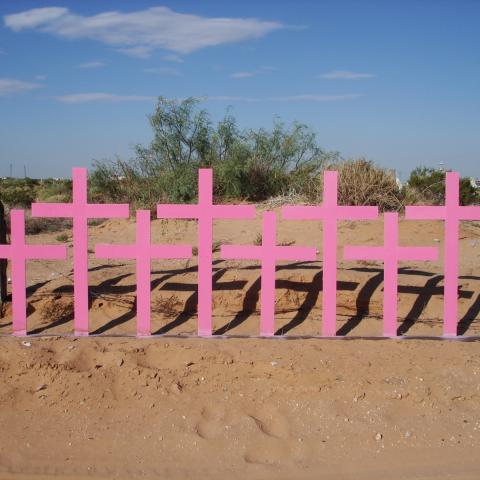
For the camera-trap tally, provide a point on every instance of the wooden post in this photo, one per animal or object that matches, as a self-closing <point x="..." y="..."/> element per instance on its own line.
<point x="3" y="261"/>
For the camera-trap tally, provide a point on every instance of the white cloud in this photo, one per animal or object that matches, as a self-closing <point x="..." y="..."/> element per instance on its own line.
<point x="343" y="74"/>
<point x="113" y="98"/>
<point x="138" y="33"/>
<point x="94" y="64"/>
<point x="102" y="97"/>
<point x="173" y="58"/>
<point x="136" y="52"/>
<point x="243" y="74"/>
<point x="253" y="73"/>
<point x="313" y="97"/>
<point x="10" y="86"/>
<point x="164" y="71"/>
<point x="40" y="77"/>
<point x="34" y="17"/>
<point x="229" y="98"/>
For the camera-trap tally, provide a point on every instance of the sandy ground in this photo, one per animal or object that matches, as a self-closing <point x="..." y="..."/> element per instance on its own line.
<point x="173" y="407"/>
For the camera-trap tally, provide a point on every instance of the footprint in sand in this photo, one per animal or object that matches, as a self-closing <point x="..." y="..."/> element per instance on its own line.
<point x="273" y="446"/>
<point x="271" y="422"/>
<point x="273" y="451"/>
<point x="211" y="424"/>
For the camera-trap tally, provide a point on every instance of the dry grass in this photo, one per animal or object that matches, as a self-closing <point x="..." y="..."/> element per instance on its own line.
<point x="167" y="306"/>
<point x="57" y="309"/>
<point x="361" y="182"/>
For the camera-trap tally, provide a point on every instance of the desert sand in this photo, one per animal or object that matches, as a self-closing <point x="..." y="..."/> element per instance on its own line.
<point x="175" y="406"/>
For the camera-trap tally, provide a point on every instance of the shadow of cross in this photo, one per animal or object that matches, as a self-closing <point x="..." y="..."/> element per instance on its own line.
<point x="313" y="290"/>
<point x="268" y="253"/>
<point x="252" y="295"/>
<point x="390" y="254"/>
<point x="143" y="252"/>
<point x="191" y="305"/>
<point x="425" y="294"/>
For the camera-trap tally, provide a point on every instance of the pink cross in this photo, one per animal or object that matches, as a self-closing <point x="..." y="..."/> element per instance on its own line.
<point x="452" y="213"/>
<point x="205" y="212"/>
<point x="143" y="252"/>
<point x="18" y="252"/>
<point x="329" y="212"/>
<point x="80" y="211"/>
<point x="391" y="253"/>
<point x="268" y="253"/>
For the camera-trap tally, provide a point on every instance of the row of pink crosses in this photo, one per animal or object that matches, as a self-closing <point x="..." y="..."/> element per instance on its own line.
<point x="268" y="253"/>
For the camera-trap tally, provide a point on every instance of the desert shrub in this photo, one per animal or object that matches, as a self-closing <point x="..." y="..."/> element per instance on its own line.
<point x="361" y="182"/>
<point x="18" y="193"/>
<point x="57" y="310"/>
<point x="54" y="191"/>
<point x="22" y="192"/>
<point x="37" y="225"/>
<point x="427" y="185"/>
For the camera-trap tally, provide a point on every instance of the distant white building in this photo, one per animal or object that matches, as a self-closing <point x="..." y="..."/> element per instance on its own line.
<point x="475" y="182"/>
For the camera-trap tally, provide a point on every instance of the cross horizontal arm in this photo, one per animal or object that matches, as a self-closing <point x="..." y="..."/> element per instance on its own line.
<point x="470" y="213"/>
<point x="424" y="213"/>
<point x="52" y="210"/>
<point x="240" y="252"/>
<point x="5" y="251"/>
<point x="295" y="253"/>
<point x="363" y="253"/>
<point x="101" y="210"/>
<point x="417" y="253"/>
<point x="307" y="212"/>
<point x="45" y="252"/>
<point x="234" y="211"/>
<point x="103" y="250"/>
<point x="170" y="251"/>
<point x="357" y="213"/>
<point x="172" y="210"/>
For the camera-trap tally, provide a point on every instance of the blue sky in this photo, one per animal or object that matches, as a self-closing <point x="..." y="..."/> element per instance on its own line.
<point x="396" y="82"/>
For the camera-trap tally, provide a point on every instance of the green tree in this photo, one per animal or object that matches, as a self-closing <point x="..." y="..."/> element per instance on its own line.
<point x="429" y="185"/>
<point x="250" y="164"/>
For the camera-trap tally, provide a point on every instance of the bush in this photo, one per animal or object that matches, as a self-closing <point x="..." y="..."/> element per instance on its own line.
<point x="361" y="182"/>
<point x="427" y="185"/>
<point x="37" y="225"/>
<point x="22" y="192"/>
<point x="18" y="193"/>
<point x="54" y="191"/>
